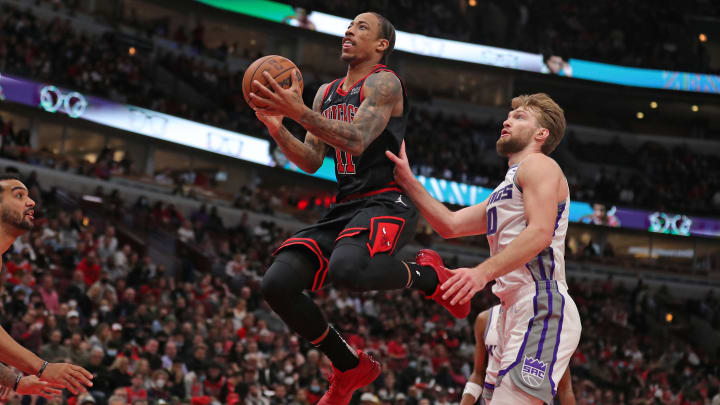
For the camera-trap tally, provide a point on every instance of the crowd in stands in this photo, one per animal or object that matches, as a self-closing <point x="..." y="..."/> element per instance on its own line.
<point x="599" y="31"/>
<point x="80" y="287"/>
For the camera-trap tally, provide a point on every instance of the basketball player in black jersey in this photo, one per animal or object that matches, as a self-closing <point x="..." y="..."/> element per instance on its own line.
<point x="361" y="116"/>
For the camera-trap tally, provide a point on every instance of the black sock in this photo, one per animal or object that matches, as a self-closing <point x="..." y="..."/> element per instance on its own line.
<point x="423" y="278"/>
<point x="338" y="351"/>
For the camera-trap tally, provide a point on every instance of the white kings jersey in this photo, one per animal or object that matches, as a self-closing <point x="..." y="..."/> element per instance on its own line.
<point x="506" y="219"/>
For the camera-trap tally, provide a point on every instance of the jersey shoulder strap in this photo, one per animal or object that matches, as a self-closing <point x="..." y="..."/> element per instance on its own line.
<point x="382" y="68"/>
<point x="330" y="88"/>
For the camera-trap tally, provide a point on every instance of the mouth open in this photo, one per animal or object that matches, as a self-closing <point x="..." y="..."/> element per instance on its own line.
<point x="30" y="214"/>
<point x="504" y="133"/>
<point x="347" y="43"/>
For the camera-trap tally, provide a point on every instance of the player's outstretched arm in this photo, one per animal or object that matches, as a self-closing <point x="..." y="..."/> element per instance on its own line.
<point x="540" y="178"/>
<point x="307" y="155"/>
<point x="449" y="224"/>
<point x="382" y="92"/>
<point x="565" y="391"/>
<point x="473" y="388"/>
<point x="67" y="375"/>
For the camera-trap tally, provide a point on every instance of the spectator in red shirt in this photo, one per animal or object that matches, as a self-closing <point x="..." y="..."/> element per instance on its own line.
<point x="136" y="390"/>
<point x="90" y="268"/>
<point x="215" y="381"/>
<point x="397" y="352"/>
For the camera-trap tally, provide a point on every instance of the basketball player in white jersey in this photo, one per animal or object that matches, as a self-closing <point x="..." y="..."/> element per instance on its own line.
<point x="481" y="383"/>
<point x="525" y="219"/>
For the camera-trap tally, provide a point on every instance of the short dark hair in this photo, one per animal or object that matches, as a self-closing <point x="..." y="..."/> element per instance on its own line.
<point x="387" y="31"/>
<point x="8" y="176"/>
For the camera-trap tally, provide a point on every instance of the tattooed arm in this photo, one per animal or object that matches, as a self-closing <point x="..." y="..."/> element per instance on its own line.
<point x="307" y="155"/>
<point x="382" y="92"/>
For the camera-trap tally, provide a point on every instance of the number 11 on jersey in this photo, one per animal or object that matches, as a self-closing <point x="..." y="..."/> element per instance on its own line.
<point x="345" y="164"/>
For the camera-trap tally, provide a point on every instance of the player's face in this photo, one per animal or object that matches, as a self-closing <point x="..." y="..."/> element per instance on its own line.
<point x="518" y="131"/>
<point x="16" y="207"/>
<point x="361" y="39"/>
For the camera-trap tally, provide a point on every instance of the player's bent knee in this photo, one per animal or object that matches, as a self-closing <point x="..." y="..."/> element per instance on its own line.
<point x="347" y="268"/>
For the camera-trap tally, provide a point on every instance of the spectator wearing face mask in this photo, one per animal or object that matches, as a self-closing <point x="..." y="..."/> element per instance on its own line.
<point x="159" y="386"/>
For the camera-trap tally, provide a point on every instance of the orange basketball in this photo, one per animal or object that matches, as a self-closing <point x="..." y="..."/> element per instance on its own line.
<point x="279" y="68"/>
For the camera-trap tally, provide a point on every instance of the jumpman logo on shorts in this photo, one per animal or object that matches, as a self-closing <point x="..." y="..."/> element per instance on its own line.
<point x="400" y="201"/>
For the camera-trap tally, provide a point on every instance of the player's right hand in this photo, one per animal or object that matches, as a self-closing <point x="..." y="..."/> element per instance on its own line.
<point x="403" y="173"/>
<point x="32" y="385"/>
<point x="70" y="376"/>
<point x="272" y="122"/>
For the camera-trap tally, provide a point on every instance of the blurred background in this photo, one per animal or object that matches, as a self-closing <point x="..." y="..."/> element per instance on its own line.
<point x="161" y="196"/>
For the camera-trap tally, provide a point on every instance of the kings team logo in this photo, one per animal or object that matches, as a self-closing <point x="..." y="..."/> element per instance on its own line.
<point x="533" y="371"/>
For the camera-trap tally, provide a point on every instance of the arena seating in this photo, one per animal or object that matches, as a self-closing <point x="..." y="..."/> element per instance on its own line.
<point x="605" y="32"/>
<point x="201" y="326"/>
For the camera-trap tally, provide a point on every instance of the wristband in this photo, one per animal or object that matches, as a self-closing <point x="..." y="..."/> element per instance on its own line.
<point x="17" y="382"/>
<point x="42" y="368"/>
<point x="473" y="389"/>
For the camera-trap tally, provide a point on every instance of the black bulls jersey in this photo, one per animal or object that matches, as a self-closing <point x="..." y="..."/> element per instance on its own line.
<point x="371" y="172"/>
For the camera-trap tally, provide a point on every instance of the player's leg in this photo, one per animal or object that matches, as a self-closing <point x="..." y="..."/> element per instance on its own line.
<point x="363" y="258"/>
<point x="540" y="334"/>
<point x="295" y="270"/>
<point x="291" y="273"/>
<point x="352" y="268"/>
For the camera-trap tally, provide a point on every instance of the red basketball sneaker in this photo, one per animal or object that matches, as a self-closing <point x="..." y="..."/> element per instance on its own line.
<point x="427" y="257"/>
<point x="343" y="384"/>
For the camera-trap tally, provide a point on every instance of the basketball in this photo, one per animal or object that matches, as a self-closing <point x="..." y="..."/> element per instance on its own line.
<point x="279" y="68"/>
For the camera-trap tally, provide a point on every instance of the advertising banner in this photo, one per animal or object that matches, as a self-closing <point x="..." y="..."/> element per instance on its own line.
<point x="135" y="119"/>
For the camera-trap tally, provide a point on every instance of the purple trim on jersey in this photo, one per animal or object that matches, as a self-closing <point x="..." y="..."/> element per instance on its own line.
<point x="561" y="209"/>
<point x="527" y="333"/>
<point x="552" y="262"/>
<point x="546" y="321"/>
<point x="543" y="276"/>
<point x="489" y="322"/>
<point x="527" y="265"/>
<point x="557" y="342"/>
<point x="489" y="386"/>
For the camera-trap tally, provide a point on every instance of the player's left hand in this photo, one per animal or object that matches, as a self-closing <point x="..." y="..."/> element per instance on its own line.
<point x="463" y="285"/>
<point x="31" y="385"/>
<point x="402" y="172"/>
<point x="276" y="100"/>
